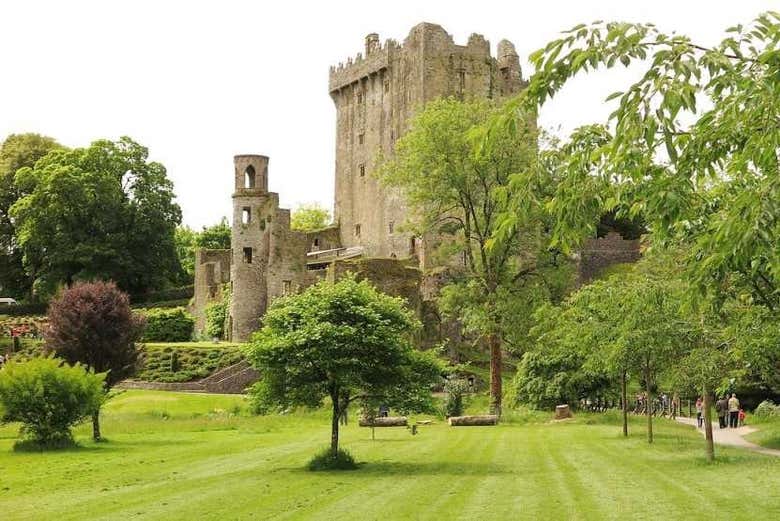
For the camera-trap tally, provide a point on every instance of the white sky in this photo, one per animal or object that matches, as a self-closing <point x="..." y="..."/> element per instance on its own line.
<point x="198" y="82"/>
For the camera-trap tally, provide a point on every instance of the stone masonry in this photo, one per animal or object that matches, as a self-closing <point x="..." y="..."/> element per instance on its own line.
<point x="375" y="96"/>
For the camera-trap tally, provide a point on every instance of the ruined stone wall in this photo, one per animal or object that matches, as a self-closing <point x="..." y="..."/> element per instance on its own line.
<point x="375" y="96"/>
<point x="212" y="270"/>
<point x="602" y="252"/>
<point x="325" y="239"/>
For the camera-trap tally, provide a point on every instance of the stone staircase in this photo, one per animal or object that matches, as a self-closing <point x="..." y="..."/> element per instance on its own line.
<point x="233" y="379"/>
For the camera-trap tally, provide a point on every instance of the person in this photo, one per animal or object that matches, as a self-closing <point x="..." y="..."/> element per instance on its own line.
<point x="384" y="410"/>
<point x="742" y="417"/>
<point x="720" y="408"/>
<point x="733" y="411"/>
<point x="699" y="407"/>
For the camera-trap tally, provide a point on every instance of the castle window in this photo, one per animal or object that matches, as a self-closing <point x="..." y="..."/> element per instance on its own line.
<point x="361" y="138"/>
<point x="362" y="169"/>
<point x="357" y="230"/>
<point x="316" y="243"/>
<point x="412" y="246"/>
<point x="248" y="255"/>
<point x="246" y="215"/>
<point x="360" y="98"/>
<point x="391" y="226"/>
<point x="286" y="287"/>
<point x="249" y="177"/>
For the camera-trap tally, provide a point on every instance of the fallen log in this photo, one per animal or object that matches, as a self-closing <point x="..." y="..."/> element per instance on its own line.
<point x="384" y="421"/>
<point x="468" y="421"/>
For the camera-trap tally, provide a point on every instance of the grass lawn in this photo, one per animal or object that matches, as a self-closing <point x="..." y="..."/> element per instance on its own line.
<point x="768" y="433"/>
<point x="179" y="456"/>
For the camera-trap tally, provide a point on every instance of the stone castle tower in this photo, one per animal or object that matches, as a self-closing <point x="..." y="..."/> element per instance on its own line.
<point x="267" y="258"/>
<point x="375" y="96"/>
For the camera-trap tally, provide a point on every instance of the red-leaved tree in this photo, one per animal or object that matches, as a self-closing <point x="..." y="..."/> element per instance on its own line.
<point x="92" y="323"/>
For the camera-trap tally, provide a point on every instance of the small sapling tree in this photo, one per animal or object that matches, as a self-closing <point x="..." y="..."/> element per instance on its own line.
<point x="48" y="397"/>
<point x="344" y="341"/>
<point x="92" y="323"/>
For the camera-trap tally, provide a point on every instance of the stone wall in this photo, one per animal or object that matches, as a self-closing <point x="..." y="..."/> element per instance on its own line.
<point x="326" y="239"/>
<point x="375" y="96"/>
<point x="602" y="252"/>
<point x="212" y="270"/>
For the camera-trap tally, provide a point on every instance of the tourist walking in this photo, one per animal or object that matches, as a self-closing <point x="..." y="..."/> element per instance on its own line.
<point x="721" y="407"/>
<point x="699" y="407"/>
<point x="733" y="411"/>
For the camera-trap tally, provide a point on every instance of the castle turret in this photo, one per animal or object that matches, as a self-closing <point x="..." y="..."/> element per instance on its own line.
<point x="250" y="244"/>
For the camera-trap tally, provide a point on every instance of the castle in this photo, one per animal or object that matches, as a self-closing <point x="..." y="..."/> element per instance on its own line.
<point x="375" y="95"/>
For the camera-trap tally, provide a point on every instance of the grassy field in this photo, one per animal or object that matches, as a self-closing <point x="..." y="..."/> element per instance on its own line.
<point x="178" y="456"/>
<point x="768" y="433"/>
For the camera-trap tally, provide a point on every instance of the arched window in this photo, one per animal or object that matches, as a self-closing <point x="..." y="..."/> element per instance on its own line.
<point x="249" y="177"/>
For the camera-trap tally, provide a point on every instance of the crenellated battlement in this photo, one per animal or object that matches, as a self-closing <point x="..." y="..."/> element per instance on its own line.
<point x="426" y="36"/>
<point x="377" y="57"/>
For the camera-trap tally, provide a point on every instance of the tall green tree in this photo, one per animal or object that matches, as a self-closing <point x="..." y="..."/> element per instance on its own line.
<point x="309" y="218"/>
<point x="104" y="212"/>
<point x="457" y="199"/>
<point x="16" y="152"/>
<point x="691" y="146"/>
<point x="346" y="342"/>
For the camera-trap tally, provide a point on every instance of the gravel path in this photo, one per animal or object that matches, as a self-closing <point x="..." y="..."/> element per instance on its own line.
<point x="732" y="437"/>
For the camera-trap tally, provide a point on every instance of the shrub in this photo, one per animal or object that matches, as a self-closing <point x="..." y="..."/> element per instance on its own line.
<point x="48" y="397"/>
<point x="92" y="323"/>
<point x="182" y="293"/>
<point x="168" y="325"/>
<point x="767" y="409"/>
<point x="327" y="460"/>
<point x="191" y="361"/>
<point x="456" y="390"/>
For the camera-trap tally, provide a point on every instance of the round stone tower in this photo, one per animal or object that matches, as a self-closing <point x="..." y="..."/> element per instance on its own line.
<point x="250" y="244"/>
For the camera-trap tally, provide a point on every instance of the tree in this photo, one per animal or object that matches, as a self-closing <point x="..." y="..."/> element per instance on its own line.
<point x="457" y="198"/>
<point x="344" y="341"/>
<point x="214" y="237"/>
<point x="310" y="218"/>
<point x="99" y="212"/>
<point x="92" y="323"/>
<point x="691" y="145"/>
<point x="48" y="398"/>
<point x="17" y="151"/>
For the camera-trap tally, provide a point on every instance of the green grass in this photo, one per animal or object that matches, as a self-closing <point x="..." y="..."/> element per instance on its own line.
<point x="768" y="434"/>
<point x="188" y="456"/>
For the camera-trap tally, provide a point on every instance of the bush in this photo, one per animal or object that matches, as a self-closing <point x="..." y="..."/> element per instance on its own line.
<point x="217" y="313"/>
<point x="35" y="308"/>
<point x="48" y="397"/>
<point x="326" y="460"/>
<point x="454" y="403"/>
<point x="182" y="293"/>
<point x="168" y="325"/>
<point x="767" y="409"/>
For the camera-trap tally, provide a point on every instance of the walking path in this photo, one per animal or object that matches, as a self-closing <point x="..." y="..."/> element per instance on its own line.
<point x="732" y="437"/>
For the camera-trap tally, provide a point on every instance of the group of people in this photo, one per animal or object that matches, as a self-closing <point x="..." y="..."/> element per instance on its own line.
<point x="729" y="412"/>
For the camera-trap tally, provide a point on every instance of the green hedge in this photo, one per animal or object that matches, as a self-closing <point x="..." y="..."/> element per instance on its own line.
<point x="181" y="303"/>
<point x="167" y="325"/>
<point x="186" y="362"/>
<point x="38" y="308"/>
<point x="182" y="293"/>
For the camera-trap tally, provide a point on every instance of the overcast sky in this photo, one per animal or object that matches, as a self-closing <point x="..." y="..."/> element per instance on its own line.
<point x="197" y="82"/>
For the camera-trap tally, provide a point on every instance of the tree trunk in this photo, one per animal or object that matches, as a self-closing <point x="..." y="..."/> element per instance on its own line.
<point x="649" y="406"/>
<point x="96" y="425"/>
<point x="495" y="374"/>
<point x="334" y="430"/>
<point x="624" y="398"/>
<point x="708" y="425"/>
